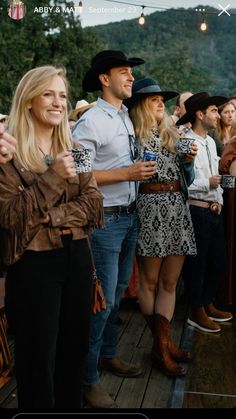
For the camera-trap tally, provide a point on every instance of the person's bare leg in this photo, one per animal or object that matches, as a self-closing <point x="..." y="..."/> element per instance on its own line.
<point x="149" y="268"/>
<point x="168" y="277"/>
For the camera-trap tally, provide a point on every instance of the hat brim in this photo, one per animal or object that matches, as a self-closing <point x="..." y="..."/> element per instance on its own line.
<point x="149" y="91"/>
<point x="91" y="81"/>
<point x="74" y="113"/>
<point x="203" y="104"/>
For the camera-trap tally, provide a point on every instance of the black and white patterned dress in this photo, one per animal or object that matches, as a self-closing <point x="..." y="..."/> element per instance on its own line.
<point x="165" y="221"/>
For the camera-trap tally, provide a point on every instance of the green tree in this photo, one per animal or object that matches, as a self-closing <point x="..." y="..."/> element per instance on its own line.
<point x="44" y="38"/>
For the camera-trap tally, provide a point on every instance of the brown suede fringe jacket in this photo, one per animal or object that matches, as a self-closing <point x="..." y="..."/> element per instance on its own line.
<point x="33" y="208"/>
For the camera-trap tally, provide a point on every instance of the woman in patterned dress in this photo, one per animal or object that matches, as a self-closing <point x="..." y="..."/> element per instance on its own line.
<point x="166" y="233"/>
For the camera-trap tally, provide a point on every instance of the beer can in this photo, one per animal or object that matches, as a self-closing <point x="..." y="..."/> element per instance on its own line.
<point x="147" y="156"/>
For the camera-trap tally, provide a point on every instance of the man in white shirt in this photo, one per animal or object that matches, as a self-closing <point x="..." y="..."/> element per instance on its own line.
<point x="203" y="273"/>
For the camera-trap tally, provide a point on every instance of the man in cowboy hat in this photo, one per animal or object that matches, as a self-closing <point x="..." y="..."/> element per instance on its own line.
<point x="202" y="273"/>
<point x="7" y="145"/>
<point x="108" y="131"/>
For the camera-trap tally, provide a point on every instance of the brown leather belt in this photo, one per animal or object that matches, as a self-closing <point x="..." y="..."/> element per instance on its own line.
<point x="65" y="232"/>
<point x="213" y="206"/>
<point x="173" y="186"/>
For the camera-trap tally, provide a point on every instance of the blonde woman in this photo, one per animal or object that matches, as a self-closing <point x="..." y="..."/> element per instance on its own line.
<point x="166" y="232"/>
<point x="46" y="213"/>
<point x="225" y="128"/>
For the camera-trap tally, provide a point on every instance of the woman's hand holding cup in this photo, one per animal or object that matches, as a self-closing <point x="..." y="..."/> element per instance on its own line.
<point x="64" y="165"/>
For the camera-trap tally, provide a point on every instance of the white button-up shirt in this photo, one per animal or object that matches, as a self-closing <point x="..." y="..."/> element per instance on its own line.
<point x="206" y="165"/>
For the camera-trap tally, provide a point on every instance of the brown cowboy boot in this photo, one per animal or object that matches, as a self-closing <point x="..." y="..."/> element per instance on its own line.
<point x="160" y="356"/>
<point x="177" y="353"/>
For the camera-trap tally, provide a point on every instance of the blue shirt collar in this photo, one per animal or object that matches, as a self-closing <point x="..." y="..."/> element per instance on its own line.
<point x="110" y="109"/>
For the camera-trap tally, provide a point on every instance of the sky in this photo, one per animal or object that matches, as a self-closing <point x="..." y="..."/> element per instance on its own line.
<point x="96" y="12"/>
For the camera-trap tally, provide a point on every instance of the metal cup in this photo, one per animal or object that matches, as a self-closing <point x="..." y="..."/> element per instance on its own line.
<point x="184" y="146"/>
<point x="82" y="158"/>
<point x="227" y="181"/>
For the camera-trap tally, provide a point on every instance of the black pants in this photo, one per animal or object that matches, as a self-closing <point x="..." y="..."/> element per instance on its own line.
<point x="203" y="273"/>
<point x="48" y="303"/>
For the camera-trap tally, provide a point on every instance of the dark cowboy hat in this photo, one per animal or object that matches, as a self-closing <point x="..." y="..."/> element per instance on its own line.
<point x="198" y="102"/>
<point x="102" y="62"/>
<point x="146" y="87"/>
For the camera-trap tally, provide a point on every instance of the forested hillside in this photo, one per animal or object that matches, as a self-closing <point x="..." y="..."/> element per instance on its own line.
<point x="38" y="39"/>
<point x="177" y="54"/>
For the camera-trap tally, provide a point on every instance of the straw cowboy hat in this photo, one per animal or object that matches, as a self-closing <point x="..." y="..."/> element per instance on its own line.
<point x="198" y="102"/>
<point x="102" y="62"/>
<point x="81" y="106"/>
<point x="146" y="87"/>
<point x="3" y="117"/>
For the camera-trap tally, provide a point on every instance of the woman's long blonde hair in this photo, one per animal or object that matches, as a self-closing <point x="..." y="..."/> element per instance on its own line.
<point x="220" y="129"/>
<point x="21" y="125"/>
<point x="144" y="123"/>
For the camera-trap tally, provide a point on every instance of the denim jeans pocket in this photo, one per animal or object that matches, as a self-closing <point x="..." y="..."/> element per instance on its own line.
<point x="110" y="218"/>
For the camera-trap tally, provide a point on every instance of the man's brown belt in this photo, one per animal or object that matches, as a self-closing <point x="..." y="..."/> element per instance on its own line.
<point x="213" y="206"/>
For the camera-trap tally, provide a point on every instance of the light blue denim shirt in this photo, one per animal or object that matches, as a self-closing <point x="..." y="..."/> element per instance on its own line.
<point x="102" y="130"/>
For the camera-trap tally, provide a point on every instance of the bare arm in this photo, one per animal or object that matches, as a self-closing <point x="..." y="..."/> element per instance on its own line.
<point x="134" y="172"/>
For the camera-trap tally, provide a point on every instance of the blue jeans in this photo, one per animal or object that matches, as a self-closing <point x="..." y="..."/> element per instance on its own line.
<point x="113" y="250"/>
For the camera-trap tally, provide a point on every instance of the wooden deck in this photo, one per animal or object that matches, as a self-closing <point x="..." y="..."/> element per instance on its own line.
<point x="153" y="389"/>
<point x="210" y="381"/>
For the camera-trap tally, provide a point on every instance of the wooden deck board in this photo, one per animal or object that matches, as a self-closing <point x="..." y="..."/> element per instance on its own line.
<point x="211" y="378"/>
<point x="8" y="395"/>
<point x="152" y="389"/>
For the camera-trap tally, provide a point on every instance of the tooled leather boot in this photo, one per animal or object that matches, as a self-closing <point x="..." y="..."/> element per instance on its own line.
<point x="177" y="353"/>
<point x="160" y="356"/>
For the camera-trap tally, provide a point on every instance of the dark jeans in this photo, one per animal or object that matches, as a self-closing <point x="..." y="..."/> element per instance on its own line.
<point x="203" y="273"/>
<point x="48" y="303"/>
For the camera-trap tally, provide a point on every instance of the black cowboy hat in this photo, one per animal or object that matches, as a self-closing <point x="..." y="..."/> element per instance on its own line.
<point x="145" y="87"/>
<point x="102" y="62"/>
<point x="198" y="102"/>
